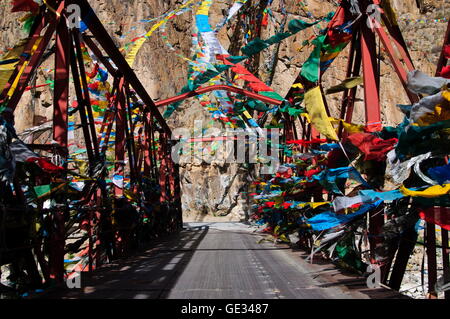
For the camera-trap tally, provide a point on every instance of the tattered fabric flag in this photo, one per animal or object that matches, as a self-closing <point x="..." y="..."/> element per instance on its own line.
<point x="45" y="165"/>
<point x="420" y="83"/>
<point x="447" y="51"/>
<point x="298" y="25"/>
<point x="25" y="5"/>
<point x="257" y="45"/>
<point x="330" y="219"/>
<point x="385" y="196"/>
<point x="21" y="152"/>
<point x="430" y="192"/>
<point x="7" y="161"/>
<point x="295" y="112"/>
<point x="424" y="106"/>
<point x="28" y="21"/>
<point x="42" y="191"/>
<point x="400" y="171"/>
<point x="350" y="127"/>
<point x="441" y="174"/>
<point x="418" y="139"/>
<point x="329" y="147"/>
<point x="343" y="202"/>
<point x="318" y="114"/>
<point x="445" y="72"/>
<point x="328" y="178"/>
<point x="311" y="68"/>
<point x="440" y="113"/>
<point x="373" y="147"/>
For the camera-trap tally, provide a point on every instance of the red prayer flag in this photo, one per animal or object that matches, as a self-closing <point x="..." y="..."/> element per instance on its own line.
<point x="265" y="20"/>
<point x="373" y="147"/>
<point x="305" y="142"/>
<point x="437" y="215"/>
<point x="447" y="51"/>
<point x="286" y="205"/>
<point x="45" y="165"/>
<point x="445" y="73"/>
<point x="24" y="5"/>
<point x="270" y="204"/>
<point x="94" y="72"/>
<point x="312" y="172"/>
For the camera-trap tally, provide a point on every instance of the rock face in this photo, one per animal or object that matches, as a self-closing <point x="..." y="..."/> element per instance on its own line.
<point x="220" y="189"/>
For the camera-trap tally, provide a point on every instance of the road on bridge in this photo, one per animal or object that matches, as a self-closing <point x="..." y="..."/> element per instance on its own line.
<point x="219" y="260"/>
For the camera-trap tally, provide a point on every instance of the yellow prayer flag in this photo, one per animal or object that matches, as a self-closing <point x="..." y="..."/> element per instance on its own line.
<point x="305" y="115"/>
<point x="446" y="95"/>
<point x="430" y="192"/>
<point x="318" y="114"/>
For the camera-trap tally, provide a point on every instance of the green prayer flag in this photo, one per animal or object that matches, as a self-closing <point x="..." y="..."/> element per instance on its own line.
<point x="236" y="59"/>
<point x="295" y="112"/>
<point x="272" y="94"/>
<point x="311" y="68"/>
<point x="278" y="37"/>
<point x="298" y="25"/>
<point x="28" y="24"/>
<point x="254" y="46"/>
<point x="45" y="190"/>
<point x="258" y="105"/>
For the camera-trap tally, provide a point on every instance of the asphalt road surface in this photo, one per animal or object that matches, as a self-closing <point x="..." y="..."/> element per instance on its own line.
<point x="211" y="260"/>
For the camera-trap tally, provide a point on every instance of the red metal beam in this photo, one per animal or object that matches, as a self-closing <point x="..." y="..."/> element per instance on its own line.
<point x="147" y="145"/>
<point x="120" y="139"/>
<point x="131" y="146"/>
<point x="109" y="119"/>
<point x="109" y="113"/>
<point x="399" y="42"/>
<point x="211" y="88"/>
<point x="60" y="130"/>
<point x="445" y="258"/>
<point x="371" y="79"/>
<point x="163" y="168"/>
<point x="81" y="106"/>
<point x="431" y="259"/>
<point x="350" y="105"/>
<point x="86" y="96"/>
<point x="401" y="72"/>
<point x="61" y="91"/>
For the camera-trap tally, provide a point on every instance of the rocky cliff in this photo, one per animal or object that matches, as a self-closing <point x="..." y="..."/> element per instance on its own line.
<point x="220" y="189"/>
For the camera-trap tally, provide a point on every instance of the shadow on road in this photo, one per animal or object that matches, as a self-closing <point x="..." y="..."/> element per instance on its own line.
<point x="150" y="275"/>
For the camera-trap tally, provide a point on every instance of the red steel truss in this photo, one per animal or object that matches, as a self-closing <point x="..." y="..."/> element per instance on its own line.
<point x="154" y="158"/>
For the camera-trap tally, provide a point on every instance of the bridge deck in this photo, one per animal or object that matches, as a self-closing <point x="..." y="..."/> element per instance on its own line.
<point x="220" y="260"/>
